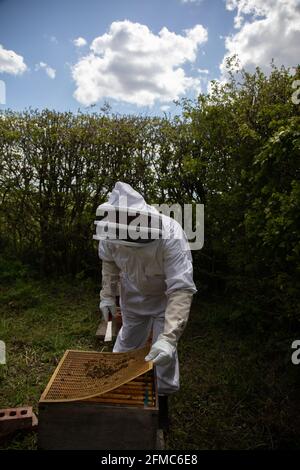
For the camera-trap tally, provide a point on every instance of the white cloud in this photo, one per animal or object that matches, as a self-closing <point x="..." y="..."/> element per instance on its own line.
<point x="53" y="39"/>
<point x="80" y="42"/>
<point x="132" y="64"/>
<point x="49" y="70"/>
<point x="203" y="71"/>
<point x="267" y="29"/>
<point x="165" y="107"/>
<point x="248" y="7"/>
<point x="10" y="62"/>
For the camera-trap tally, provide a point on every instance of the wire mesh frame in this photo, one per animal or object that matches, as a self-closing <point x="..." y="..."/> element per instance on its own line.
<point x="123" y="378"/>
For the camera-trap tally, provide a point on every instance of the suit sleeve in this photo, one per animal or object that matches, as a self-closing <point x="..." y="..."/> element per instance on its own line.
<point x="110" y="273"/>
<point x="180" y="287"/>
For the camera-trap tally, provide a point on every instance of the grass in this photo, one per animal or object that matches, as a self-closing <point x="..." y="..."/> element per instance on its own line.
<point x="238" y="390"/>
<point x="38" y="322"/>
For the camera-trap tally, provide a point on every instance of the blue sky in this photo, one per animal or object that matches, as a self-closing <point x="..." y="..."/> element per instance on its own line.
<point x="42" y="67"/>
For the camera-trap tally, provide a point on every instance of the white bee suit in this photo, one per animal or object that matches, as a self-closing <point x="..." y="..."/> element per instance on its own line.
<point x="155" y="278"/>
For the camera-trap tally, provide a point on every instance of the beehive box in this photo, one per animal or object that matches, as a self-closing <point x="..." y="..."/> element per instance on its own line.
<point x="100" y="401"/>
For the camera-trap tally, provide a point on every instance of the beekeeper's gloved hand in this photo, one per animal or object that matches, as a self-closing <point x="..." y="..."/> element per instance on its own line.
<point x="107" y="306"/>
<point x="162" y="352"/>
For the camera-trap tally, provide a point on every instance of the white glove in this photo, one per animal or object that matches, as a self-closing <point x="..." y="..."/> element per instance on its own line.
<point x="107" y="306"/>
<point x="162" y="352"/>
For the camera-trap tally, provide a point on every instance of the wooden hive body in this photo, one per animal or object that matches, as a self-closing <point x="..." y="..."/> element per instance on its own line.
<point x="94" y="413"/>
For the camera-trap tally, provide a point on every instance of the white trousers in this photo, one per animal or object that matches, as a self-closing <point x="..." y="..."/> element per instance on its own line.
<point x="134" y="334"/>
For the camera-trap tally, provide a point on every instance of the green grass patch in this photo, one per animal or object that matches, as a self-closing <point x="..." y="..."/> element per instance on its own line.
<point x="238" y="390"/>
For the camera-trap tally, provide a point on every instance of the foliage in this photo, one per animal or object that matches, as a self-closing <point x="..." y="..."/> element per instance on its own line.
<point x="235" y="149"/>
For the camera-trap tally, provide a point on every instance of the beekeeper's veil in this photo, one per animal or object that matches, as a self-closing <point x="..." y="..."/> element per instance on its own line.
<point x="127" y="219"/>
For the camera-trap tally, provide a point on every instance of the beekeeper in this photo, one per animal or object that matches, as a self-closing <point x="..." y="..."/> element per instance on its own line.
<point x="153" y="264"/>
